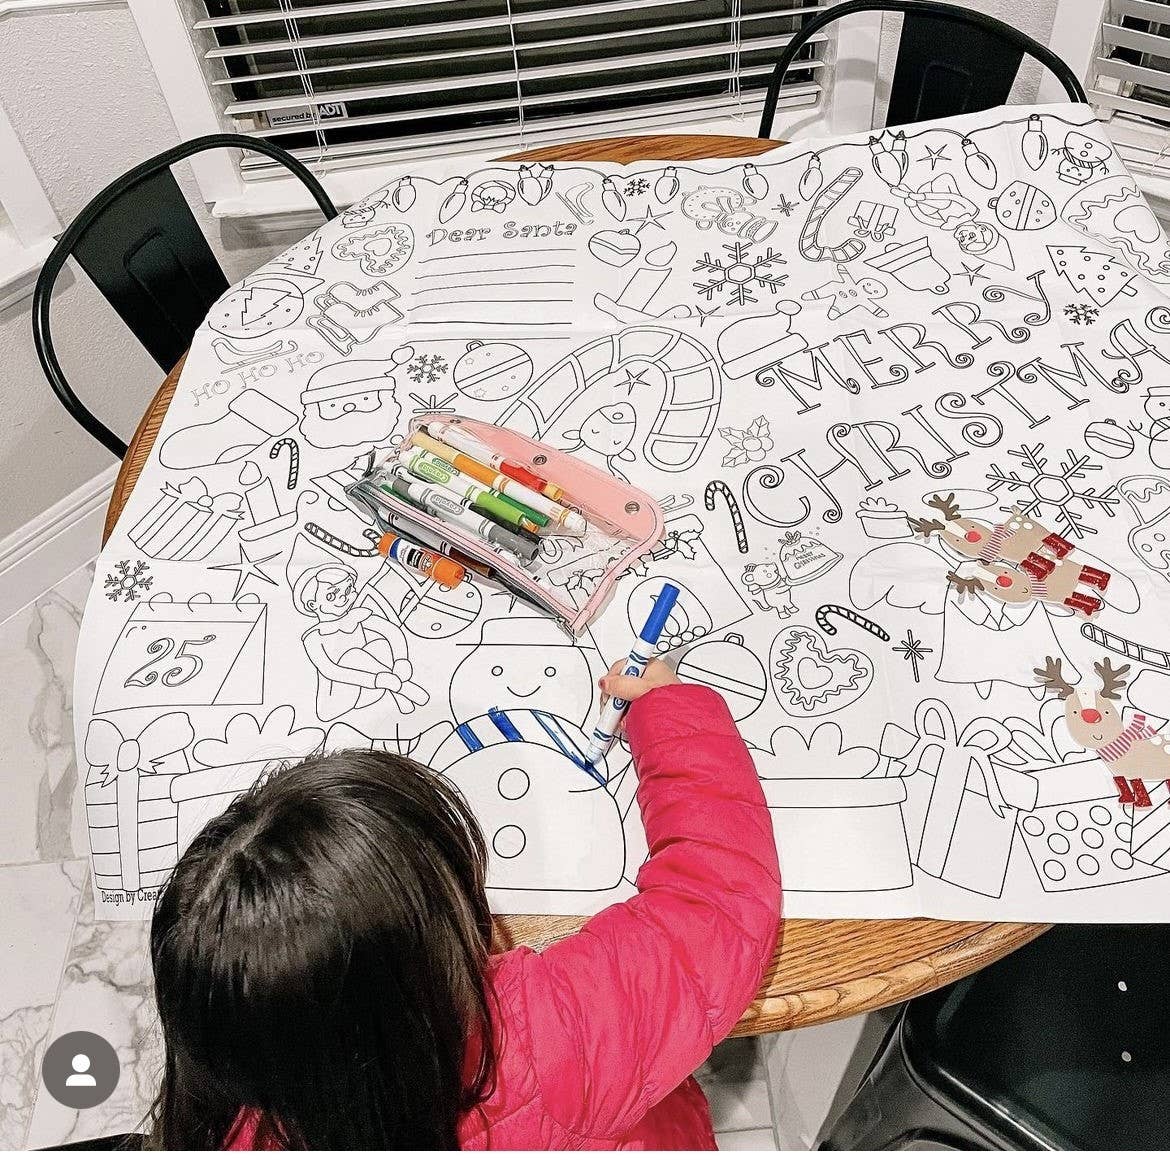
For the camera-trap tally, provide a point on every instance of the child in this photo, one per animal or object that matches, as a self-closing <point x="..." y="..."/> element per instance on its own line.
<point x="323" y="976"/>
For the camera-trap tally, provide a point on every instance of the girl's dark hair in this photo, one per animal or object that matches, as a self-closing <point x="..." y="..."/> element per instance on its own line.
<point x="319" y="958"/>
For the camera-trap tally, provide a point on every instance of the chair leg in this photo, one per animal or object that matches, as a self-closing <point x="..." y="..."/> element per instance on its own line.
<point x="890" y="1111"/>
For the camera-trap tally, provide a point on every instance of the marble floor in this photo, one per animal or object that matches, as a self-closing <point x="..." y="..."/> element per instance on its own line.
<point x="64" y="971"/>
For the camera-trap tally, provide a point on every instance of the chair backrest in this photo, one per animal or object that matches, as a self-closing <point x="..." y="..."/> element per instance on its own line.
<point x="1061" y="1043"/>
<point x="950" y="60"/>
<point x="139" y="243"/>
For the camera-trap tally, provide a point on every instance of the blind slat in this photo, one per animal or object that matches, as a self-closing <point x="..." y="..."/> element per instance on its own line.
<point x="1141" y="9"/>
<point x="1128" y="105"/>
<point x="1139" y="74"/>
<point x="309" y="12"/>
<point x="1131" y="38"/>
<point x="504" y="77"/>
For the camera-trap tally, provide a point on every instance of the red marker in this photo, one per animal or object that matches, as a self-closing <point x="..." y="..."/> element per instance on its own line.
<point x="465" y="442"/>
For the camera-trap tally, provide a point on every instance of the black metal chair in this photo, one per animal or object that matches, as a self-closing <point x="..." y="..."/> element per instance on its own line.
<point x="1064" y="1044"/>
<point x="950" y="60"/>
<point x="140" y="245"/>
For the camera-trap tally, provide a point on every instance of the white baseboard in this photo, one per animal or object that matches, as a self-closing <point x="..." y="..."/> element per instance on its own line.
<point x="54" y="544"/>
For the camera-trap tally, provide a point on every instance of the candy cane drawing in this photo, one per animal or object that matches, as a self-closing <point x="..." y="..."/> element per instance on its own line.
<point x="294" y="458"/>
<point x="850" y="616"/>
<point x="335" y="542"/>
<point x="825" y="201"/>
<point x="717" y="486"/>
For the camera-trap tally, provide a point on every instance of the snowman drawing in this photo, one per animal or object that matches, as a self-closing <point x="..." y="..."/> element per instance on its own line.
<point x="1157" y="410"/>
<point x="523" y="662"/>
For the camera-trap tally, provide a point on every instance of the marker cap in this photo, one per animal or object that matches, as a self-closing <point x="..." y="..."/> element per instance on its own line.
<point x="654" y="624"/>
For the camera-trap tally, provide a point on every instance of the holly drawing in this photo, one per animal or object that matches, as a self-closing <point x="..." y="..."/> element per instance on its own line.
<point x="1096" y="275"/>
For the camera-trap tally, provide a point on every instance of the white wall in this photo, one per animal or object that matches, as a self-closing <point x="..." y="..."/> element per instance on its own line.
<point x="80" y="92"/>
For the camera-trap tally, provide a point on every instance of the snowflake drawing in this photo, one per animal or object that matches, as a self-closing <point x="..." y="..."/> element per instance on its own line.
<point x="1081" y="314"/>
<point x="736" y="275"/>
<point x="749" y="445"/>
<point x="126" y="583"/>
<point x="1059" y="494"/>
<point x="637" y="187"/>
<point x="427" y="367"/>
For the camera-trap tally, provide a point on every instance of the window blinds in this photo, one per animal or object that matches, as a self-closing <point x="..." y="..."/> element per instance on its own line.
<point x="341" y="84"/>
<point x="1132" y="81"/>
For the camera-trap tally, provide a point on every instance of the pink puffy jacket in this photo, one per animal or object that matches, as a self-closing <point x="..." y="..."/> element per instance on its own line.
<point x="598" y="1035"/>
<point x="600" y="1032"/>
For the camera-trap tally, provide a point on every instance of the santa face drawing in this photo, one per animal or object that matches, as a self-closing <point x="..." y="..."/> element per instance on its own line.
<point x="350" y="404"/>
<point x="522" y="662"/>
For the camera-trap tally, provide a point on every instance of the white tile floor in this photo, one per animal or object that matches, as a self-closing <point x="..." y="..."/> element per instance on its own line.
<point x="61" y="971"/>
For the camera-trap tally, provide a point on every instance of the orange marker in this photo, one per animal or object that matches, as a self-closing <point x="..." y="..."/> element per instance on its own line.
<point x="421" y="560"/>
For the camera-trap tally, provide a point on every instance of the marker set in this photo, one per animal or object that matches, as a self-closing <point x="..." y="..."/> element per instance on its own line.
<point x="508" y="509"/>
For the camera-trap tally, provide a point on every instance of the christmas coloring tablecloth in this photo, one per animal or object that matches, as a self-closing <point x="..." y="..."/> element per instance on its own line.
<point x="905" y="400"/>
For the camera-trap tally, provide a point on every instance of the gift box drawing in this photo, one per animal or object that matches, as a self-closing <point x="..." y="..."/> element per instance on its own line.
<point x="1078" y="836"/>
<point x="187" y="523"/>
<point x="1150" y="829"/>
<point x="838" y="827"/>
<point x="132" y="822"/>
<point x="961" y="805"/>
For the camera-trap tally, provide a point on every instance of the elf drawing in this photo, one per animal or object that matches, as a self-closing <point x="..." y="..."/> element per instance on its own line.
<point x="360" y="656"/>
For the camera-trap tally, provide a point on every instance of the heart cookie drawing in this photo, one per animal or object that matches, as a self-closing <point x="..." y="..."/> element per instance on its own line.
<point x="379" y="250"/>
<point x="811" y="679"/>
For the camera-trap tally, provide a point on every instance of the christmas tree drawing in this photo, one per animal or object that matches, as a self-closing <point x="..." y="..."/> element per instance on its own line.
<point x="302" y="257"/>
<point x="1093" y="274"/>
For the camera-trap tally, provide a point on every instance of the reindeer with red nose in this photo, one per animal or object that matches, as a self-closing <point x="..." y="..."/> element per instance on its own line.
<point x="1021" y="541"/>
<point x="1135" y="753"/>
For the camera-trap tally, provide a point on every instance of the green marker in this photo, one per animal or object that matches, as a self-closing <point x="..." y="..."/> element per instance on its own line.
<point x="431" y="469"/>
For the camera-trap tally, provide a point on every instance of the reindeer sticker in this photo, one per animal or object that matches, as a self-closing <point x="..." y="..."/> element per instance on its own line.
<point x="1135" y="752"/>
<point x="1022" y="541"/>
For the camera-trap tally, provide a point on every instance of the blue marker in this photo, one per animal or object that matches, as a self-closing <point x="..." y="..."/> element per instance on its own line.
<point x="644" y="649"/>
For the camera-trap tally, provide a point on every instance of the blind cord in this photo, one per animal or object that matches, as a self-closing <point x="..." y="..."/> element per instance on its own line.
<point x="516" y="69"/>
<point x="734" y="85"/>
<point x="294" y="35"/>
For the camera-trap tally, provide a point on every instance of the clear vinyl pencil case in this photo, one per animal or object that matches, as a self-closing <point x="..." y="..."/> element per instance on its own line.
<point x="571" y="576"/>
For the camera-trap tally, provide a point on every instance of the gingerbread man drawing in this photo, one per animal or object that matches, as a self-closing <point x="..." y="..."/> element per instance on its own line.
<point x="847" y="294"/>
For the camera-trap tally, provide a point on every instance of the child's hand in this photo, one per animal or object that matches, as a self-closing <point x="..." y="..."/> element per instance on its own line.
<point x="623" y="686"/>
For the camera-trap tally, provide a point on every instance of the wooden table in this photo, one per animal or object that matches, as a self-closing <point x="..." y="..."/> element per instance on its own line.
<point x="821" y="970"/>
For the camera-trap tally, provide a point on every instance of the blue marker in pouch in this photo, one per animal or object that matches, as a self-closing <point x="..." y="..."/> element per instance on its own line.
<point x="639" y="657"/>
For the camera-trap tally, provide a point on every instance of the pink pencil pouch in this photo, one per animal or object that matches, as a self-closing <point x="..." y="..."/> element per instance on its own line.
<point x="571" y="577"/>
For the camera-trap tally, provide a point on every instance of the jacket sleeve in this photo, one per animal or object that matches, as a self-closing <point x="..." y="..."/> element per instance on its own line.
<point x="624" y="1011"/>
